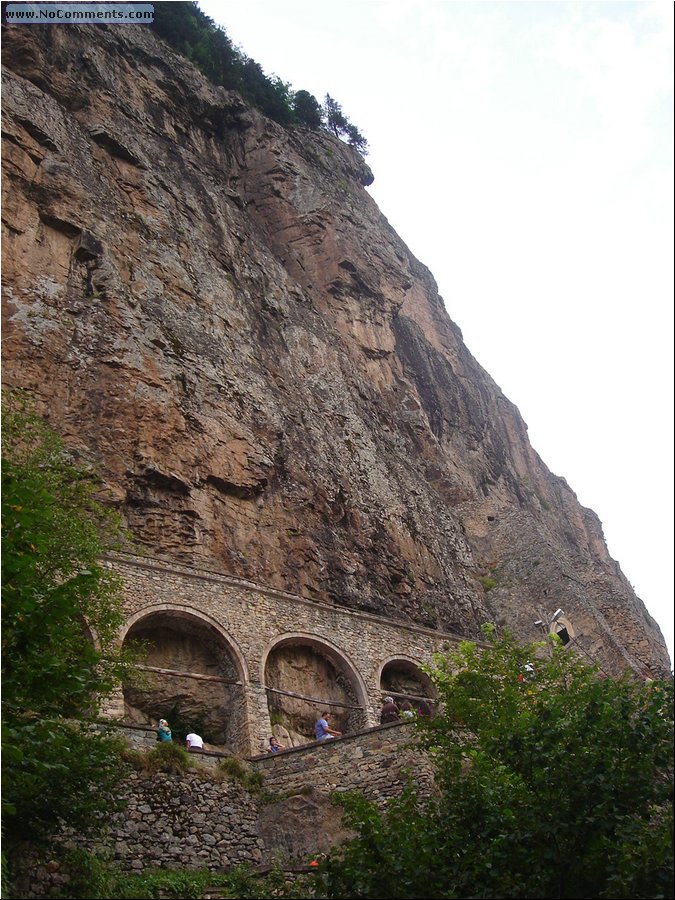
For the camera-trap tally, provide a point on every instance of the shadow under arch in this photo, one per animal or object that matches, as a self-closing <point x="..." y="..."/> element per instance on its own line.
<point x="305" y="674"/>
<point x="192" y="673"/>
<point x="402" y="678"/>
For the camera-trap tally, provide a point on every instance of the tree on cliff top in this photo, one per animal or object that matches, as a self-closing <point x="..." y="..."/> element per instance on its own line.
<point x="339" y="125"/>
<point x="195" y="35"/>
<point x="307" y="109"/>
<point x="61" y="611"/>
<point x="554" y="784"/>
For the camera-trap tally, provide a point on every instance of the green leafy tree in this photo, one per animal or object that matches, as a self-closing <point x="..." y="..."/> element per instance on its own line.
<point x="336" y="122"/>
<point x="357" y="140"/>
<point x="555" y="784"/>
<point x="307" y="109"/>
<point x="61" y="611"/>
<point x="194" y="34"/>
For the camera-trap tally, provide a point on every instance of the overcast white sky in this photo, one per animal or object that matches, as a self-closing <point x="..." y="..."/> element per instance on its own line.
<point x="524" y="152"/>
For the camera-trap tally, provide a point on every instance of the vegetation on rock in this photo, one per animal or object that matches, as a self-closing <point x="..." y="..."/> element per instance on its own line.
<point x="195" y="35"/>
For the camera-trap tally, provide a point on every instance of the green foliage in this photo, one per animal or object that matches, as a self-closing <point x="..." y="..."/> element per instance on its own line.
<point x="89" y="876"/>
<point x="195" y="35"/>
<point x="61" y="611"/>
<point x="307" y="110"/>
<point x="238" y="770"/>
<point x="168" y="757"/>
<point x="389" y="856"/>
<point x="557" y="784"/>
<point x="356" y="140"/>
<point x="339" y="125"/>
<point x="95" y="878"/>
<point x="488" y="582"/>
<point x="336" y="122"/>
<point x="55" y="591"/>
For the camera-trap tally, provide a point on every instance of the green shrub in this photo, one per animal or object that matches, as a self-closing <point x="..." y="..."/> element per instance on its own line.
<point x="239" y="771"/>
<point x="488" y="582"/>
<point x="169" y="757"/>
<point x="94" y="877"/>
<point x="562" y="786"/>
<point x="90" y="876"/>
<point x="56" y="768"/>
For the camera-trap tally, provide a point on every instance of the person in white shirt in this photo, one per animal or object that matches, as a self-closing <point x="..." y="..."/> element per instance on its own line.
<point x="194" y="742"/>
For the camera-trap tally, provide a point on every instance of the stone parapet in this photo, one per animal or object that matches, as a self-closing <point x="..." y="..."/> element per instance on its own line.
<point x="378" y="762"/>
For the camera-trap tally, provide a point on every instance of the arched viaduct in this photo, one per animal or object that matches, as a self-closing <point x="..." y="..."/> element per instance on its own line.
<point x="235" y="658"/>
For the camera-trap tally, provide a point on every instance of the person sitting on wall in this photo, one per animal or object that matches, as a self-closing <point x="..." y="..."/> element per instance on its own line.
<point x="275" y="746"/>
<point x="322" y="730"/>
<point x="423" y="708"/>
<point x="163" y="732"/>
<point x="193" y="742"/>
<point x="407" y="712"/>
<point x="389" y="712"/>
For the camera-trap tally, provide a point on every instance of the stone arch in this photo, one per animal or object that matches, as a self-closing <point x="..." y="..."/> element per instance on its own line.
<point x="304" y="674"/>
<point x="192" y="673"/>
<point x="402" y="678"/>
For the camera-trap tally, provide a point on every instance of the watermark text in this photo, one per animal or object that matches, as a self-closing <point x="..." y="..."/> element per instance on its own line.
<point x="79" y="13"/>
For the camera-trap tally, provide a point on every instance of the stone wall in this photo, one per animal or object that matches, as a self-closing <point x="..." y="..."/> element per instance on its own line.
<point x="302" y="820"/>
<point x="188" y="821"/>
<point x="376" y="762"/>
<point x="251" y="621"/>
<point x="204" y="819"/>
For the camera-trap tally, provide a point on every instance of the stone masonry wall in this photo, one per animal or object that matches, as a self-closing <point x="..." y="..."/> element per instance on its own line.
<point x="251" y="620"/>
<point x="185" y="821"/>
<point x="203" y="819"/>
<point x="376" y="762"/>
<point x="300" y="820"/>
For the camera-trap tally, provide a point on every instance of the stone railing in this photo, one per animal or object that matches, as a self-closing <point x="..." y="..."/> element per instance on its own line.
<point x="377" y="761"/>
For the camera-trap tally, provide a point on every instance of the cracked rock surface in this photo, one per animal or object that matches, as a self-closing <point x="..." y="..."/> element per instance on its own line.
<point x="213" y="309"/>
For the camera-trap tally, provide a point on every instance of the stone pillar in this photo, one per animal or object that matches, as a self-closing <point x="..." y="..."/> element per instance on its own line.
<point x="260" y="726"/>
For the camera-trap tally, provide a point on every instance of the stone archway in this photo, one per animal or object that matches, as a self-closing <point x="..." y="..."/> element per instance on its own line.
<point x="191" y="674"/>
<point x="402" y="679"/>
<point x="562" y="627"/>
<point x="304" y="675"/>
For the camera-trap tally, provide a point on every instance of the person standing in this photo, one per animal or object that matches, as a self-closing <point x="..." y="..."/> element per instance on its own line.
<point x="322" y="730"/>
<point x="163" y="732"/>
<point x="389" y="712"/>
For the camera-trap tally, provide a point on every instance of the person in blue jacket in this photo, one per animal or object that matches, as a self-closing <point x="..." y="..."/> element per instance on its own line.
<point x="163" y="732"/>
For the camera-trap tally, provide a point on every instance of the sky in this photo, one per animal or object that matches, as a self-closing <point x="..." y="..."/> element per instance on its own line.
<point x="524" y="153"/>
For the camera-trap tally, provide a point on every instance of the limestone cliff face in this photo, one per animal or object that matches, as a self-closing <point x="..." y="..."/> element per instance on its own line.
<point x="214" y="309"/>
